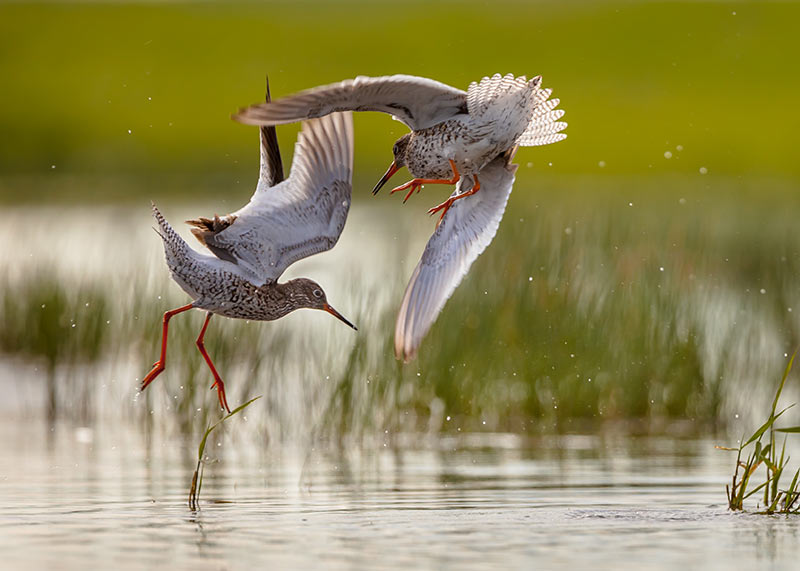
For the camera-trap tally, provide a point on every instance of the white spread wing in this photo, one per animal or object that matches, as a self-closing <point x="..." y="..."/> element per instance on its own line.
<point x="465" y="232"/>
<point x="304" y="214"/>
<point x="416" y="101"/>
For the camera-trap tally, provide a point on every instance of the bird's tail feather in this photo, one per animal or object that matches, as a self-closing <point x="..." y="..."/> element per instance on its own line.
<point x="544" y="127"/>
<point x="175" y="247"/>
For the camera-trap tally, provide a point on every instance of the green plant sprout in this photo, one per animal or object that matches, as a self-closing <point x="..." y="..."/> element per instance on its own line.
<point x="776" y="500"/>
<point x="197" y="478"/>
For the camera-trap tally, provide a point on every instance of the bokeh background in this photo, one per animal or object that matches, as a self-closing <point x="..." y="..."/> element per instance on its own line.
<point x="646" y="275"/>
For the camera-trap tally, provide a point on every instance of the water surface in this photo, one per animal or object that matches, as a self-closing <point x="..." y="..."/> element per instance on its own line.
<point x="75" y="499"/>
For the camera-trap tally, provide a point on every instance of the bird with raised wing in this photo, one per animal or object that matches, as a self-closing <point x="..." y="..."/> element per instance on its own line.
<point x="454" y="133"/>
<point x="455" y="245"/>
<point x="285" y="221"/>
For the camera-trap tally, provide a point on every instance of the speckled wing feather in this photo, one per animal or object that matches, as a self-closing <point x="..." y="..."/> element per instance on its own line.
<point x="544" y="127"/>
<point x="500" y="93"/>
<point x="303" y="215"/>
<point x="416" y="101"/>
<point x="465" y="232"/>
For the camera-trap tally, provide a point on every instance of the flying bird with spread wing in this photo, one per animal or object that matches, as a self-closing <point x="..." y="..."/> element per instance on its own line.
<point x="286" y="220"/>
<point x="454" y="133"/>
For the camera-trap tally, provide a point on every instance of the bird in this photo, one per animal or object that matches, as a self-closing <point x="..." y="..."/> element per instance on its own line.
<point x="455" y="244"/>
<point x="454" y="133"/>
<point x="286" y="220"/>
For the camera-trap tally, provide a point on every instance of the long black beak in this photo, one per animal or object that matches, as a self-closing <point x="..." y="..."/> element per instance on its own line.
<point x="393" y="168"/>
<point x="338" y="315"/>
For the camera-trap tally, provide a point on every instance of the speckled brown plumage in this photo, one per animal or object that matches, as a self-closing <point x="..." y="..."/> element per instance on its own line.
<point x="223" y="291"/>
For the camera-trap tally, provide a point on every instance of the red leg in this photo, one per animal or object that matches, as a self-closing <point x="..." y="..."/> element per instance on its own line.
<point x="223" y="402"/>
<point x="416" y="184"/>
<point x="445" y="206"/>
<point x="159" y="365"/>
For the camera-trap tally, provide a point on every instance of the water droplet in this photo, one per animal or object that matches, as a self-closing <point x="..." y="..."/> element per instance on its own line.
<point x="667" y="155"/>
<point x="448" y="417"/>
<point x="703" y="170"/>
<point x="679" y="148"/>
<point x="601" y="164"/>
<point x="763" y="291"/>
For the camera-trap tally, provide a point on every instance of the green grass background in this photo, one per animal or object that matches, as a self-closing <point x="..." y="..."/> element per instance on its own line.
<point x="637" y="79"/>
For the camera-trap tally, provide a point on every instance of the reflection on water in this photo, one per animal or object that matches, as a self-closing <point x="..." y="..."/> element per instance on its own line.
<point x="78" y="499"/>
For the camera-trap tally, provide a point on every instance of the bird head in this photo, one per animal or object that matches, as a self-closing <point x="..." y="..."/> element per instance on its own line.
<point x="399" y="150"/>
<point x="308" y="293"/>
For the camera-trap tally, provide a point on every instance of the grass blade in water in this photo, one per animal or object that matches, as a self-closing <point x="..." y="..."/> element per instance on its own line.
<point x="197" y="477"/>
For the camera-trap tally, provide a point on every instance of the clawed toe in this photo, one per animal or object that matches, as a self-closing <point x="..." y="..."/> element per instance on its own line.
<point x="223" y="401"/>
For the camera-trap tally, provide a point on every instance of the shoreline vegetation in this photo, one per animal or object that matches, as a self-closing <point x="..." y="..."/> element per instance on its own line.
<point x="774" y="499"/>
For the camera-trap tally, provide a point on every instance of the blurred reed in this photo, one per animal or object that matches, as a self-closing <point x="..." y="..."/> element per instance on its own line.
<point x="587" y="308"/>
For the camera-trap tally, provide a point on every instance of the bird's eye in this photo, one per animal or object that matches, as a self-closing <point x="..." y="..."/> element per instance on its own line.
<point x="317" y="293"/>
<point x="395" y="149"/>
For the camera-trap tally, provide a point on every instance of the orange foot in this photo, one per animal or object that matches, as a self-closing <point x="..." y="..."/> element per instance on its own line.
<point x="416" y="184"/>
<point x="445" y="206"/>
<point x="220" y="386"/>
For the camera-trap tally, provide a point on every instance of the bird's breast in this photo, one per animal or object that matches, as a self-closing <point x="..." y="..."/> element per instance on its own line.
<point x="244" y="300"/>
<point x="466" y="143"/>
